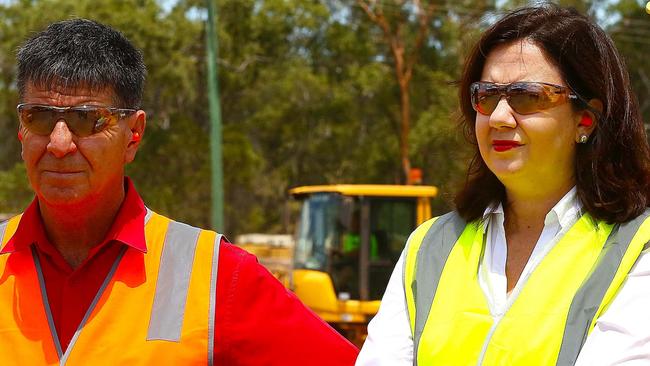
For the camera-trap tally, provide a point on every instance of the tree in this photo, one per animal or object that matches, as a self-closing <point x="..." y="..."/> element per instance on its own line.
<point x="403" y="57"/>
<point x="631" y="33"/>
<point x="309" y="95"/>
<point x="306" y="99"/>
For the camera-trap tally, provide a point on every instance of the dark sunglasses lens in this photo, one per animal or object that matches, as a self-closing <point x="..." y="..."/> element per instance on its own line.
<point x="525" y="98"/>
<point x="82" y="122"/>
<point x="485" y="98"/>
<point x="37" y="120"/>
<point x="102" y="119"/>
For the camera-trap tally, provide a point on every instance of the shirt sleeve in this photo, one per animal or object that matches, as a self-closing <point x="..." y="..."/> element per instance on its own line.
<point x="259" y="322"/>
<point x="621" y="335"/>
<point x="389" y="341"/>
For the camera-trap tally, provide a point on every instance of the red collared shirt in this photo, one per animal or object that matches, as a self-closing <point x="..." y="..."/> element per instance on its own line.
<point x="257" y="322"/>
<point x="70" y="291"/>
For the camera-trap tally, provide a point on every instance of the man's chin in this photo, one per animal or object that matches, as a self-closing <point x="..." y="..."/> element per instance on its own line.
<point x="61" y="196"/>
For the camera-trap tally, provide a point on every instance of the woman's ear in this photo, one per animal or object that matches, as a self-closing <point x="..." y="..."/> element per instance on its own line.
<point x="589" y="119"/>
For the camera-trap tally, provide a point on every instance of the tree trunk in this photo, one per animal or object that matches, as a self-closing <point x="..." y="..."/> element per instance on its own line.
<point x="404" y="63"/>
<point x="405" y="106"/>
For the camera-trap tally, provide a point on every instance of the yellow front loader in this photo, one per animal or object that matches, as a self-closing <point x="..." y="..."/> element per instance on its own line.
<point x="348" y="239"/>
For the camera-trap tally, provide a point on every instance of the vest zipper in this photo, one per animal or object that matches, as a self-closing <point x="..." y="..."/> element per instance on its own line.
<point x="497" y="319"/>
<point x="518" y="287"/>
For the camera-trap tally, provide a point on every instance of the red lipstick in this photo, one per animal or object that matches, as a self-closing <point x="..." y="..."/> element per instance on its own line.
<point x="504" y="145"/>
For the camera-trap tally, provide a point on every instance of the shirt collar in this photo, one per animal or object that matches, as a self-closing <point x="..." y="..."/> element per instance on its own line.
<point x="568" y="209"/>
<point x="564" y="213"/>
<point x="127" y="228"/>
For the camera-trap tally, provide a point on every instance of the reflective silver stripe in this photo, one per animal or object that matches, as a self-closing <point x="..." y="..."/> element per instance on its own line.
<point x="148" y="215"/>
<point x="440" y="239"/>
<point x="213" y="298"/>
<point x="98" y="296"/>
<point x="3" y="228"/>
<point x="46" y="303"/>
<point x="431" y="258"/>
<point x="587" y="300"/>
<point x="168" y="309"/>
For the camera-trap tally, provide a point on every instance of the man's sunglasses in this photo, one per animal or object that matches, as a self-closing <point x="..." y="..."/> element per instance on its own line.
<point x="81" y="120"/>
<point x="524" y="97"/>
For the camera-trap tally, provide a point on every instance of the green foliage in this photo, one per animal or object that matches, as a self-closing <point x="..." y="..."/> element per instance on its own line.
<point x="15" y="193"/>
<point x="308" y="96"/>
<point x="631" y="33"/>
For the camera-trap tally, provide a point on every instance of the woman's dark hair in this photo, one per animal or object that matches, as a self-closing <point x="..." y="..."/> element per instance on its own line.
<point x="612" y="169"/>
<point x="83" y="53"/>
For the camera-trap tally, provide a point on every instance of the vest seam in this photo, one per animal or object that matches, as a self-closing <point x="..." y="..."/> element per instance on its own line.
<point x="212" y="304"/>
<point x="46" y="303"/>
<point x="93" y="304"/>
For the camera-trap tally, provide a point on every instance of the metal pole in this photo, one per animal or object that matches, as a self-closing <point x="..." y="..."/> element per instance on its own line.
<point x="364" y="250"/>
<point x="215" y="120"/>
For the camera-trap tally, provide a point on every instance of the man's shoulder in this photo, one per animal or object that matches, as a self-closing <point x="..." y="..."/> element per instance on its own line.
<point x="228" y="251"/>
<point x="8" y="227"/>
<point x="233" y="255"/>
<point x="5" y="218"/>
<point x="232" y="259"/>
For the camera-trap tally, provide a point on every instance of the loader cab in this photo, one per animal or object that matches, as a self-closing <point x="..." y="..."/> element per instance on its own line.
<point x="353" y="236"/>
<point x="355" y="239"/>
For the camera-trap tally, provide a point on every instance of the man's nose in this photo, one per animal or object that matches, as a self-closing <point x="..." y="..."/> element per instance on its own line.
<point x="61" y="140"/>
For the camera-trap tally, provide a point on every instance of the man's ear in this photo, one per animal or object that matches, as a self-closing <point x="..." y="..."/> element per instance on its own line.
<point x="588" y="119"/>
<point x="137" y="124"/>
<point x="21" y="135"/>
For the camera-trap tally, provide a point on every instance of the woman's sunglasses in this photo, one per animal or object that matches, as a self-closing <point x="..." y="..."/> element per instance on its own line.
<point x="524" y="97"/>
<point x="81" y="120"/>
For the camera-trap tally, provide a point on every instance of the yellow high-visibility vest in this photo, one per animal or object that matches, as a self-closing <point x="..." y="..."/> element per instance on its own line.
<point x="548" y="319"/>
<point x="154" y="308"/>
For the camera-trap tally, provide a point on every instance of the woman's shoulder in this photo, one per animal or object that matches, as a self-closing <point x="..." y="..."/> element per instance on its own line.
<point x="449" y="220"/>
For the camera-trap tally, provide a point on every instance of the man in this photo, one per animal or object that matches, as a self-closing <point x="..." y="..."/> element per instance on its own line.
<point x="89" y="274"/>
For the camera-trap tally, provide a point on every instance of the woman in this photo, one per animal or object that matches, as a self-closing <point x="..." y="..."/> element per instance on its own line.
<point x="548" y="224"/>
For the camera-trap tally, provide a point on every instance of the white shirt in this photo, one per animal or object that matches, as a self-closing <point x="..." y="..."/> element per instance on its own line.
<point x="389" y="339"/>
<point x="622" y="333"/>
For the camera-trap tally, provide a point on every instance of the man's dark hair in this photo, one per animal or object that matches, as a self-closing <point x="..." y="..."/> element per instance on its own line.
<point x="83" y="53"/>
<point x="612" y="169"/>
